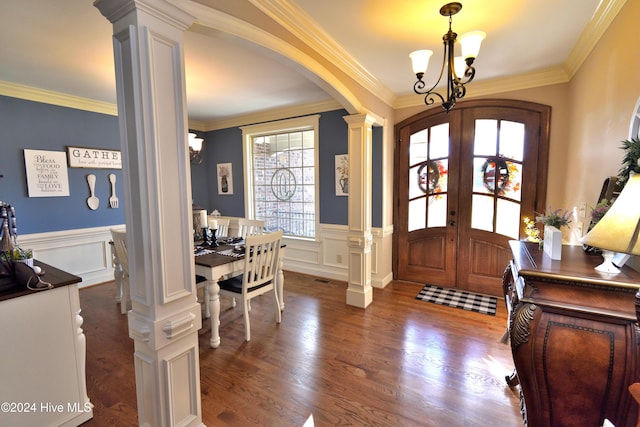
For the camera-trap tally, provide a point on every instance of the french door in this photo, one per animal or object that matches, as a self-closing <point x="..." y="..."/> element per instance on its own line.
<point x="464" y="182"/>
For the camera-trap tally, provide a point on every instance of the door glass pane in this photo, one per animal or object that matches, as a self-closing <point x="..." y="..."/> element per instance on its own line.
<point x="512" y="188"/>
<point x="417" y="176"/>
<point x="428" y="177"/>
<point x="485" y="140"/>
<point x="495" y="175"/>
<point x="437" y="211"/>
<point x="482" y="212"/>
<point x="508" y="218"/>
<point x="418" y="147"/>
<point x="439" y="144"/>
<point x="439" y="174"/>
<point x="483" y="181"/>
<point x="417" y="209"/>
<point x="512" y="140"/>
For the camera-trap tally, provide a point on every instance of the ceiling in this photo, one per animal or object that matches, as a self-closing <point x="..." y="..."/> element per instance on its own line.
<point x="64" y="46"/>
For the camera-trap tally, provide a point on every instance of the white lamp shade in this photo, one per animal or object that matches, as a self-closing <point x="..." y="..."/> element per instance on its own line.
<point x="470" y="43"/>
<point x="618" y="230"/>
<point x="194" y="142"/>
<point x="459" y="66"/>
<point x="420" y="60"/>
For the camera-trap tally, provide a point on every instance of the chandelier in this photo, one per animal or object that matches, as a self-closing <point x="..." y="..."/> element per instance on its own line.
<point x="459" y="69"/>
<point x="195" y="147"/>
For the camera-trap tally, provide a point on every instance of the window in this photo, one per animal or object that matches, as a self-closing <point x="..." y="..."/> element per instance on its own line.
<point x="281" y="175"/>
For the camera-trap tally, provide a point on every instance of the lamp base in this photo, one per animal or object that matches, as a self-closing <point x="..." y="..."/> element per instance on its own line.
<point x="607" y="266"/>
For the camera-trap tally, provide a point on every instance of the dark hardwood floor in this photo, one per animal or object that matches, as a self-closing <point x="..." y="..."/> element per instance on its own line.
<point x="400" y="362"/>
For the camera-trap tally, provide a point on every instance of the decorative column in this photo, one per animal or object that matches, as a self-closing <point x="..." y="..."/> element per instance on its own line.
<point x="359" y="240"/>
<point x="165" y="317"/>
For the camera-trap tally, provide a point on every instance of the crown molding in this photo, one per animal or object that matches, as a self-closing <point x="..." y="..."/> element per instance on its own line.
<point x="29" y="93"/>
<point x="596" y="27"/>
<point x="295" y="20"/>
<point x="269" y="115"/>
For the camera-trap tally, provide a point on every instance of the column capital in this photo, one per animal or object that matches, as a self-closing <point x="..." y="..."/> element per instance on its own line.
<point x="360" y="119"/>
<point x="116" y="10"/>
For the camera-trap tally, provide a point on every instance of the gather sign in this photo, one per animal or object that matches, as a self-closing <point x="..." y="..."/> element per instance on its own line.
<point x="94" y="158"/>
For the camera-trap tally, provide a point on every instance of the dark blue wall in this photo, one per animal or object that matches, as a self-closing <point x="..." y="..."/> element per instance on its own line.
<point x="34" y="125"/>
<point x="334" y="140"/>
<point x="376" y="173"/>
<point x="225" y="146"/>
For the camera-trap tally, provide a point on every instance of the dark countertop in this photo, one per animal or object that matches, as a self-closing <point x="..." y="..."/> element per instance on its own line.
<point x="55" y="276"/>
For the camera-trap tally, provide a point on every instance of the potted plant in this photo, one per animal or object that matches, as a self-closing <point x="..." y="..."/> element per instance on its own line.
<point x="553" y="221"/>
<point x="557" y="218"/>
<point x="23" y="255"/>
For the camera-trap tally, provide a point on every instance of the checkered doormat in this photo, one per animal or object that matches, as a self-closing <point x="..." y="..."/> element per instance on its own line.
<point x="479" y="303"/>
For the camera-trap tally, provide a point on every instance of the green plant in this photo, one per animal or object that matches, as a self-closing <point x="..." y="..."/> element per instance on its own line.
<point x="630" y="159"/>
<point x="530" y="229"/>
<point x="19" y="253"/>
<point x="600" y="210"/>
<point x="557" y="218"/>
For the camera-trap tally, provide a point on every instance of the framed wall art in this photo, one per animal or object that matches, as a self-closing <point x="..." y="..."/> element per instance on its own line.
<point x="342" y="175"/>
<point x="95" y="158"/>
<point x="225" y="178"/>
<point x="47" y="174"/>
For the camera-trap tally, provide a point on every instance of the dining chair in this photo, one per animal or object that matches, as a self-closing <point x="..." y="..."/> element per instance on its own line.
<point x="223" y="227"/>
<point x="261" y="263"/>
<point x="250" y="227"/>
<point x="121" y="266"/>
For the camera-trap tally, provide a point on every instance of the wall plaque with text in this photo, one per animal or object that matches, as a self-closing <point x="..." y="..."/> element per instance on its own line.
<point x="46" y="173"/>
<point x="96" y="158"/>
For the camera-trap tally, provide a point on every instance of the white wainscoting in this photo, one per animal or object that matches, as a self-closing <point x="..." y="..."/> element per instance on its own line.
<point x="328" y="257"/>
<point x="84" y="252"/>
<point x="87" y="253"/>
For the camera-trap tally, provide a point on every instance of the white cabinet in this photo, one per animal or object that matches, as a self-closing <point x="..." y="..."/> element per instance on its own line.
<point x="42" y="359"/>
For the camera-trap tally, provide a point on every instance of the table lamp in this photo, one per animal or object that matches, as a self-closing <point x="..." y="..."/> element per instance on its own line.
<point x="617" y="231"/>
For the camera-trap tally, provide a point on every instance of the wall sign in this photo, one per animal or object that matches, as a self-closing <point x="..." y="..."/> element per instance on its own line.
<point x="46" y="173"/>
<point x="94" y="158"/>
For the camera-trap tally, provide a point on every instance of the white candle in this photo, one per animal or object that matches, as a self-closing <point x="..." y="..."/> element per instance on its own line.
<point x="213" y="224"/>
<point x="203" y="219"/>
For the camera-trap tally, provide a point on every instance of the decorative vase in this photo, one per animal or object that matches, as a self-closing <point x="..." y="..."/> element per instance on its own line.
<point x="28" y="261"/>
<point x="552" y="242"/>
<point x="225" y="184"/>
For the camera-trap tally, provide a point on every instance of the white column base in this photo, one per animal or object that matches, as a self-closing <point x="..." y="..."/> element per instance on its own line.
<point x="359" y="297"/>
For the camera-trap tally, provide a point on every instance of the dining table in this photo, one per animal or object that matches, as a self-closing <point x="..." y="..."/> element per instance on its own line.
<point x="217" y="262"/>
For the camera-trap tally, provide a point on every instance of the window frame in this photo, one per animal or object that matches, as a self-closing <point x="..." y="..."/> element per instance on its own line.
<point x="270" y="128"/>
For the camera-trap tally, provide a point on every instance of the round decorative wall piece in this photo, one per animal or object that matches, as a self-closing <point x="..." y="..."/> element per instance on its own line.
<point x="495" y="174"/>
<point x="428" y="176"/>
<point x="283" y="184"/>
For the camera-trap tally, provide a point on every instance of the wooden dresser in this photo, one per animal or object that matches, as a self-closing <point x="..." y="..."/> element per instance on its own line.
<point x="574" y="337"/>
